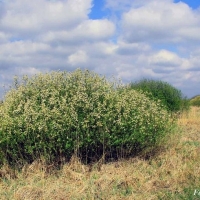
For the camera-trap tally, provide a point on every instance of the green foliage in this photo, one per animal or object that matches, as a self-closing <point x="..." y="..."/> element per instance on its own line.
<point x="195" y="101"/>
<point x="169" y="96"/>
<point x="58" y="114"/>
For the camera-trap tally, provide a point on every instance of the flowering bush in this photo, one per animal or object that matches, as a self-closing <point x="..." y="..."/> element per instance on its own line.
<point x="58" y="114"/>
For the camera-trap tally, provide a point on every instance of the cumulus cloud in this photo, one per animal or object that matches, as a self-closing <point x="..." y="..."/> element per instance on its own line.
<point x="150" y="38"/>
<point x="127" y="49"/>
<point x="28" y="18"/>
<point x="161" y="21"/>
<point x="87" y="31"/>
<point x="166" y="58"/>
<point x="3" y="37"/>
<point x="80" y="57"/>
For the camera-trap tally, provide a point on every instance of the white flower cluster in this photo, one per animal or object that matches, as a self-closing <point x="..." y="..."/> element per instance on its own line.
<point x="59" y="111"/>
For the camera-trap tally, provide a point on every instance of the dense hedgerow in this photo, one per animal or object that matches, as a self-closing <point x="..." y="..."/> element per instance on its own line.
<point x="170" y="97"/>
<point x="195" y="101"/>
<point x="58" y="114"/>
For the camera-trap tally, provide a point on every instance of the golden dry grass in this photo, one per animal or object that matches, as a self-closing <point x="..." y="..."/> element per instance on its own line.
<point x="171" y="173"/>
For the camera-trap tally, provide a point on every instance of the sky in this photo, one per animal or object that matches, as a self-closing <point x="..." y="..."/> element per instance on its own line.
<point x="129" y="39"/>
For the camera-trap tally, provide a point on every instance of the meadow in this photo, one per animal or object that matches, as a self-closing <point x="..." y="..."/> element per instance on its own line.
<point x="141" y="148"/>
<point x="171" y="172"/>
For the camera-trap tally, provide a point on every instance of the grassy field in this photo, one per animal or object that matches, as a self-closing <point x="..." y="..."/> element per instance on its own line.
<point x="172" y="172"/>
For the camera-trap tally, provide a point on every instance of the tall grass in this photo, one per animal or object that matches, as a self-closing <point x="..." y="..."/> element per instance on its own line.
<point x="195" y="101"/>
<point x="171" y="173"/>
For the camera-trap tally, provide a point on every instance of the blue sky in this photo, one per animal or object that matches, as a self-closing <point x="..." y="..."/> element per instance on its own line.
<point x="99" y="9"/>
<point x="129" y="39"/>
<point x="192" y="3"/>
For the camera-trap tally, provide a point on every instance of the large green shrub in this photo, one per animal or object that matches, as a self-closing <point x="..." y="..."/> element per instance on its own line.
<point x="170" y="97"/>
<point x="60" y="113"/>
<point x="195" y="101"/>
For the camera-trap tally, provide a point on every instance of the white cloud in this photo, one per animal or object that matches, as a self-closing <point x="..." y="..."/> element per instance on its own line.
<point x="128" y="49"/>
<point x="80" y="57"/>
<point x="3" y="37"/>
<point x="29" y="71"/>
<point x="33" y="17"/>
<point x="161" y="21"/>
<point x="150" y="38"/>
<point x="165" y="58"/>
<point x="88" y="30"/>
<point x="101" y="49"/>
<point x="195" y="63"/>
<point x="21" y="48"/>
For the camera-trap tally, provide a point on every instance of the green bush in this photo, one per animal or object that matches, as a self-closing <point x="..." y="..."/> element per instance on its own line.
<point x="169" y="96"/>
<point x="195" y="101"/>
<point x="58" y="114"/>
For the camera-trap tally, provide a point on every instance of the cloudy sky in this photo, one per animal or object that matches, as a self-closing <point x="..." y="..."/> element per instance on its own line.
<point x="130" y="39"/>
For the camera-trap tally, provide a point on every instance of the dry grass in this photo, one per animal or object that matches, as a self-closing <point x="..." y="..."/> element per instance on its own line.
<point x="174" y="173"/>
